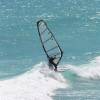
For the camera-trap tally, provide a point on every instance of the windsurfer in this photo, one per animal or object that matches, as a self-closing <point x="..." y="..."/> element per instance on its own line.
<point x="52" y="64"/>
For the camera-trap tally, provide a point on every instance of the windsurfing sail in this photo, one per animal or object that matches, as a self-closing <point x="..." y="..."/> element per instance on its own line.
<point x="49" y="43"/>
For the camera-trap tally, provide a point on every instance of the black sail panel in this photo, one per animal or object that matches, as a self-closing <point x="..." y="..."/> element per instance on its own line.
<point x="49" y="43"/>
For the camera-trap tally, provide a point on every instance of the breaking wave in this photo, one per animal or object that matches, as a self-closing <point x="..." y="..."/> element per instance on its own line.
<point x="36" y="84"/>
<point x="90" y="70"/>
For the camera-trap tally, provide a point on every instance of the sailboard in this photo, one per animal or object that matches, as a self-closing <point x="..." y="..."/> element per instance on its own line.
<point x="49" y="42"/>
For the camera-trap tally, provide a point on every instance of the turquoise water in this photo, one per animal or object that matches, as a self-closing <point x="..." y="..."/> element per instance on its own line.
<point x="75" y="24"/>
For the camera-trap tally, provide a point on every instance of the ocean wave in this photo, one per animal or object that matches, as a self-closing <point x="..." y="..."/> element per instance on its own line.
<point x="90" y="70"/>
<point x="36" y="84"/>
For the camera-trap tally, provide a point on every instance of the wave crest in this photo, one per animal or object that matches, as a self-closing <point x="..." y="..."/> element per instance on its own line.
<point x="90" y="70"/>
<point x="32" y="85"/>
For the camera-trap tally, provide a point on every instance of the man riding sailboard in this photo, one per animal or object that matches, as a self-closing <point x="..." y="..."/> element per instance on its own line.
<point x="52" y="64"/>
<point x="50" y="46"/>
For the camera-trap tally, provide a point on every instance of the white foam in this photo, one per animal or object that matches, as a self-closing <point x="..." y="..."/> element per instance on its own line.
<point x="90" y="70"/>
<point x="32" y="85"/>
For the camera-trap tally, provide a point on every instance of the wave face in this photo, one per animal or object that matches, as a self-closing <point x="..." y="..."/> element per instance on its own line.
<point x="90" y="70"/>
<point x="33" y="85"/>
<point x="84" y="79"/>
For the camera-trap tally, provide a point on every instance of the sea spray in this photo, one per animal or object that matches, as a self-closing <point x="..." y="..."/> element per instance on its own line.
<point x="90" y="70"/>
<point x="32" y="85"/>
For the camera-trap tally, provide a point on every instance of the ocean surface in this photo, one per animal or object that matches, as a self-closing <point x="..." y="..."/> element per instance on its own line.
<point x="24" y="73"/>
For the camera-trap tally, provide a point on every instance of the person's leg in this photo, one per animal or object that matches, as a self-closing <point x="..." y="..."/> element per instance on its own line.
<point x="50" y="66"/>
<point x="55" y="68"/>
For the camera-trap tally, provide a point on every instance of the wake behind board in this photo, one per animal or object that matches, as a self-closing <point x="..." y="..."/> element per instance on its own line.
<point x="46" y="70"/>
<point x="62" y="69"/>
<point x="49" y="43"/>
